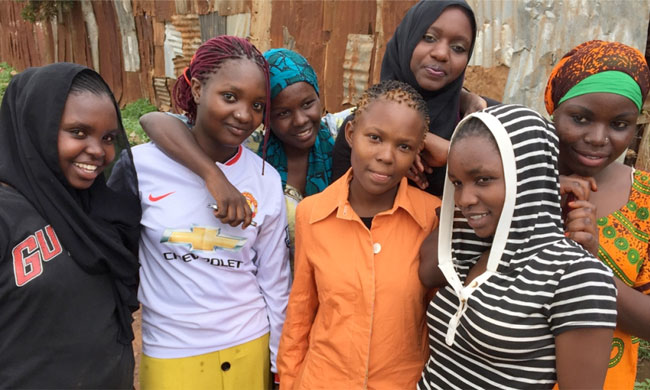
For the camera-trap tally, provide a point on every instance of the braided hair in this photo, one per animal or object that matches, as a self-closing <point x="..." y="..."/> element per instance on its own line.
<point x="394" y="91"/>
<point x="208" y="60"/>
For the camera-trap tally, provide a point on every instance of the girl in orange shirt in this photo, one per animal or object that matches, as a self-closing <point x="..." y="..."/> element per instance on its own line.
<point x="356" y="311"/>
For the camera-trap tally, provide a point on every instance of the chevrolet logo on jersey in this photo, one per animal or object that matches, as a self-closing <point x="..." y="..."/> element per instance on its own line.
<point x="202" y="239"/>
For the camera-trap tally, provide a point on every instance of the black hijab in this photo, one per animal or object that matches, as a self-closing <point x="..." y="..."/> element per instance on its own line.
<point x="98" y="226"/>
<point x="444" y="103"/>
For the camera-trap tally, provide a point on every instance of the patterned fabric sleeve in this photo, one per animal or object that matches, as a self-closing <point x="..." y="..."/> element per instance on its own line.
<point x="642" y="283"/>
<point x="585" y="298"/>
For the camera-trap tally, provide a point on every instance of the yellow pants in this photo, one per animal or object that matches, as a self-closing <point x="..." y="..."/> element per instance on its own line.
<point x="244" y="366"/>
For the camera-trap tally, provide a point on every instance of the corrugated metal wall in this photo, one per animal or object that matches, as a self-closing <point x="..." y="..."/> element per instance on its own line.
<point x="530" y="36"/>
<point x="140" y="46"/>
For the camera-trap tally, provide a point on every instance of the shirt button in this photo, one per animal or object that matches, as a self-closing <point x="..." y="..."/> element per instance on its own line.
<point x="475" y="284"/>
<point x="376" y="247"/>
<point x="225" y="366"/>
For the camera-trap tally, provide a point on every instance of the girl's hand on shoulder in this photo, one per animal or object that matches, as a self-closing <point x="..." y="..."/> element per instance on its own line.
<point x="435" y="150"/>
<point x="416" y="173"/>
<point x="578" y="186"/>
<point x="471" y="102"/>
<point x="578" y="214"/>
<point x="580" y="224"/>
<point x="232" y="207"/>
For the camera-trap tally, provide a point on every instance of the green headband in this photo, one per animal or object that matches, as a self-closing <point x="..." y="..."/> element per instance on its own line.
<point x="612" y="81"/>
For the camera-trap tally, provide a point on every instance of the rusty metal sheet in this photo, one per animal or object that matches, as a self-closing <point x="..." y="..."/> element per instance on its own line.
<point x="260" y="34"/>
<point x="358" y="17"/>
<point x="93" y="32"/>
<point x="162" y="93"/>
<point x="145" y="31"/>
<point x="356" y="66"/>
<point x="173" y="48"/>
<point x="298" y="24"/>
<point x="143" y="7"/>
<point x="232" y="7"/>
<point x="389" y="15"/>
<point x="157" y="46"/>
<point x="238" y="25"/>
<point x="70" y="30"/>
<point x="163" y="10"/>
<point x="110" y="51"/>
<point x="190" y="30"/>
<point x="130" y="51"/>
<point x="496" y="24"/>
<point x="529" y="36"/>
<point x="212" y="25"/>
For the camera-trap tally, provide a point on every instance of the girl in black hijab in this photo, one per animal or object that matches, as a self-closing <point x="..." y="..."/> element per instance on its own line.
<point x="415" y="55"/>
<point x="68" y="243"/>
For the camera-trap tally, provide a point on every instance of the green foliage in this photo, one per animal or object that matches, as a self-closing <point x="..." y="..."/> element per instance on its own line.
<point x="645" y="385"/>
<point x="42" y="10"/>
<point x="6" y="72"/>
<point x="644" y="350"/>
<point x="131" y="114"/>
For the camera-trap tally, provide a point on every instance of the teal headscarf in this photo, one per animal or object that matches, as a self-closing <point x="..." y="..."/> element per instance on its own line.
<point x="287" y="67"/>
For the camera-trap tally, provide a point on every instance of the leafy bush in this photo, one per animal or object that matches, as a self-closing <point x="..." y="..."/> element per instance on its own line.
<point x="6" y="72"/>
<point x="131" y="114"/>
<point x="41" y="10"/>
<point x="645" y="385"/>
<point x="644" y="350"/>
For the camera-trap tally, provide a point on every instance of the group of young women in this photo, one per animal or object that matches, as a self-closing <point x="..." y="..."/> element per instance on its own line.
<point x="538" y="249"/>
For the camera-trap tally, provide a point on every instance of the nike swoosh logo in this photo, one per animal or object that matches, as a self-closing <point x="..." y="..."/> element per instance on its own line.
<point x="157" y="198"/>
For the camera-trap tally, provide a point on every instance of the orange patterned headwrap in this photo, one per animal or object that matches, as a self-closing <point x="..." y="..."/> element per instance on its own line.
<point x="590" y="58"/>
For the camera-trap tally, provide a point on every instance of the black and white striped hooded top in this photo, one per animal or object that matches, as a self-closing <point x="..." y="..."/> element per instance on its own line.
<point x="498" y="332"/>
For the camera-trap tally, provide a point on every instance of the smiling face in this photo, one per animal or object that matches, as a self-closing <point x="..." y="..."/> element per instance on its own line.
<point x="230" y="106"/>
<point x="384" y="139"/>
<point x="476" y="171"/>
<point x="86" y="137"/>
<point x="442" y="54"/>
<point x="295" y="116"/>
<point x="594" y="129"/>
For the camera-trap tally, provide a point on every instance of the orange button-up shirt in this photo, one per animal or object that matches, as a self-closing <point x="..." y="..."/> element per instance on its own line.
<point x="356" y="314"/>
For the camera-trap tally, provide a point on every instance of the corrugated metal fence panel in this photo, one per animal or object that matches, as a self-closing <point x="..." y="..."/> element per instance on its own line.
<point x="110" y="47"/>
<point x="212" y="24"/>
<point x="341" y="18"/>
<point x="496" y="23"/>
<point x="551" y="28"/>
<point x="173" y="47"/>
<point x="189" y="27"/>
<point x="299" y="24"/>
<point x="356" y="67"/>
<point x="389" y="14"/>
<point x="527" y="35"/>
<point x="238" y="25"/>
<point x="126" y="22"/>
<point x="232" y="7"/>
<point x="14" y="49"/>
